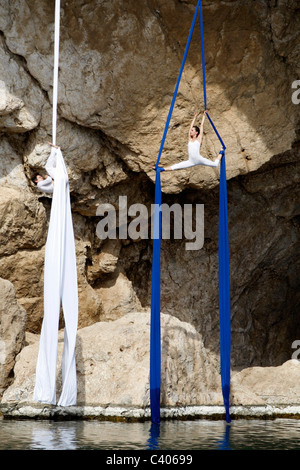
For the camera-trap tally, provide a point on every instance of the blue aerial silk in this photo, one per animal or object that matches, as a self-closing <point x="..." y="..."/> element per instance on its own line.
<point x="224" y="282"/>
<point x="224" y="290"/>
<point x="155" y="350"/>
<point x="224" y="271"/>
<point x="155" y="337"/>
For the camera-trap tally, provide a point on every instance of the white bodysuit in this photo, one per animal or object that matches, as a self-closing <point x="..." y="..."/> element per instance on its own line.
<point x="46" y="186"/>
<point x="195" y="158"/>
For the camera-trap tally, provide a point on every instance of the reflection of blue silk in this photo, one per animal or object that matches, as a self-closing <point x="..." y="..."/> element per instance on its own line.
<point x="154" y="434"/>
<point x="224" y="443"/>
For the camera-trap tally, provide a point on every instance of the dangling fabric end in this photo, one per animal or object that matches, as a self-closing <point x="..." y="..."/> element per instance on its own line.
<point x="155" y="348"/>
<point x="225" y="391"/>
<point x="224" y="289"/>
<point x="155" y="405"/>
<point x="60" y="289"/>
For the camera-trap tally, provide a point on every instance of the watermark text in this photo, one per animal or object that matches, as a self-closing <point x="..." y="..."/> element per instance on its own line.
<point x="296" y="93"/>
<point x="137" y="222"/>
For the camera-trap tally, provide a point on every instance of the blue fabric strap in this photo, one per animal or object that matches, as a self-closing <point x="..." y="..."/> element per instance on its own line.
<point x="155" y="351"/>
<point x="155" y="340"/>
<point x="217" y="133"/>
<point x="224" y="274"/>
<point x="224" y="290"/>
<point x="224" y="271"/>
<point x="203" y="55"/>
<point x="177" y="85"/>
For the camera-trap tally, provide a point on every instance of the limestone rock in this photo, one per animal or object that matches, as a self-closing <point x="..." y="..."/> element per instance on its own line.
<point x="271" y="385"/>
<point x="113" y="368"/>
<point x="245" y="73"/>
<point x="29" y="285"/>
<point x="90" y="160"/>
<point x="21" y="100"/>
<point x="89" y="303"/>
<point x="117" y="297"/>
<point x="113" y="365"/>
<point x="12" y="332"/>
<point x="11" y="167"/>
<point x="23" y="222"/>
<point x="106" y="261"/>
<point x="115" y="90"/>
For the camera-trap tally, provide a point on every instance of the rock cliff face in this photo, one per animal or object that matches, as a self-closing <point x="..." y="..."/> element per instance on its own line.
<point x="118" y="68"/>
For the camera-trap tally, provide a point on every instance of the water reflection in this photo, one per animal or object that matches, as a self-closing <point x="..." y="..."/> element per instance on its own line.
<point x="153" y="441"/>
<point x="224" y="443"/>
<point x="53" y="437"/>
<point x="168" y="435"/>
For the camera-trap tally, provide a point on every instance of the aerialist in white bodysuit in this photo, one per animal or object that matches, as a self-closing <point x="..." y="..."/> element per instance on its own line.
<point x="195" y="140"/>
<point x="45" y="184"/>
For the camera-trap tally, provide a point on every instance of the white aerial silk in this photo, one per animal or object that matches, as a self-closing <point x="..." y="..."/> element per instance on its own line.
<point x="60" y="274"/>
<point x="60" y="288"/>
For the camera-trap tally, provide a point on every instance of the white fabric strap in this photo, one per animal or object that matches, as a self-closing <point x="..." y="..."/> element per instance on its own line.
<point x="55" y="71"/>
<point x="60" y="277"/>
<point x="60" y="286"/>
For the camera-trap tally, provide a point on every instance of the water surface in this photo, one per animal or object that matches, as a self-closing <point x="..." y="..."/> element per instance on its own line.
<point x="279" y="434"/>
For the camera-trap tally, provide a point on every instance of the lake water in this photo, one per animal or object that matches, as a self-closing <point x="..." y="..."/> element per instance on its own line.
<point x="278" y="434"/>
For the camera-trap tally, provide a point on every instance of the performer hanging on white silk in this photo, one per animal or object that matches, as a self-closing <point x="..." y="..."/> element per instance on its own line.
<point x="46" y="184"/>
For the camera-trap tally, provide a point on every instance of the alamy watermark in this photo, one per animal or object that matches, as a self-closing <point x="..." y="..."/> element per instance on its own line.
<point x="137" y="222"/>
<point x="2" y="352"/>
<point x="296" y="354"/>
<point x="296" y="93"/>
